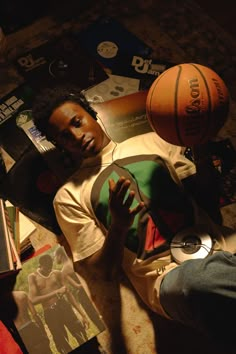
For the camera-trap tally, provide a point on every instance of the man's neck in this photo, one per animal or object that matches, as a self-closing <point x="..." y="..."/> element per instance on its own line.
<point x="44" y="275"/>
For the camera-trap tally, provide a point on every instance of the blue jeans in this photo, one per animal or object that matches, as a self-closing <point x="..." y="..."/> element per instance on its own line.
<point x="201" y="293"/>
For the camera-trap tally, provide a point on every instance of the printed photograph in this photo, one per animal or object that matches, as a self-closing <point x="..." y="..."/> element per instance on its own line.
<point x="55" y="314"/>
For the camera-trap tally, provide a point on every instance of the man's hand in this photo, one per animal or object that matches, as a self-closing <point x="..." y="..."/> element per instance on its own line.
<point x="122" y="214"/>
<point x="62" y="290"/>
<point x="108" y="260"/>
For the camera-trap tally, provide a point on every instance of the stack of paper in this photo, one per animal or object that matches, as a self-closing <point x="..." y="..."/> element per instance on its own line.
<point x="9" y="258"/>
<point x="22" y="227"/>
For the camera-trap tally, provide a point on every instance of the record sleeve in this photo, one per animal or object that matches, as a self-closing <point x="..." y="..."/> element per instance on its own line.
<point x="31" y="185"/>
<point x="12" y="138"/>
<point x="58" y="61"/>
<point x="110" y="42"/>
<point x="124" y="117"/>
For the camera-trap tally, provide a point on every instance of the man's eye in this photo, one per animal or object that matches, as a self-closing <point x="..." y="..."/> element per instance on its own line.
<point x="77" y="122"/>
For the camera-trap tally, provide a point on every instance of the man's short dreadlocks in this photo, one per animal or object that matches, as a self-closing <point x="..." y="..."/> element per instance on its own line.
<point x="52" y="97"/>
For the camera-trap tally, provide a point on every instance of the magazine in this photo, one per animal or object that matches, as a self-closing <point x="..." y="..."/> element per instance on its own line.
<point x="55" y="314"/>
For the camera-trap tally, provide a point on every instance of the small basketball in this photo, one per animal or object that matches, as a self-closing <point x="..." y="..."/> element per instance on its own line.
<point x="187" y="104"/>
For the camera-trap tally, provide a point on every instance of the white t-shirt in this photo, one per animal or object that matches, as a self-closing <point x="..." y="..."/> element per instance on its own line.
<point x="155" y="169"/>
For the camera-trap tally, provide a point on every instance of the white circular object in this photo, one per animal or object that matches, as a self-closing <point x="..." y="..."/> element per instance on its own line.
<point x="191" y="243"/>
<point x="107" y="49"/>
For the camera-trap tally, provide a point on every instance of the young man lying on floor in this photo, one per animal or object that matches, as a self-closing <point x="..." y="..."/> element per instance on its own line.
<point x="125" y="204"/>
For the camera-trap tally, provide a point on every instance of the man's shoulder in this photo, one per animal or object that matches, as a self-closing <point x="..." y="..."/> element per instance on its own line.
<point x="147" y="143"/>
<point x="144" y="136"/>
<point x="32" y="276"/>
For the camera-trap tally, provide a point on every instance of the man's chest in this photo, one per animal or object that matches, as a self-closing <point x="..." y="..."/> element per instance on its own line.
<point x="47" y="283"/>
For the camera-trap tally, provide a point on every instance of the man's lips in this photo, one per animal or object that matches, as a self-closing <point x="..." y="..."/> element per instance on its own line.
<point x="88" y="145"/>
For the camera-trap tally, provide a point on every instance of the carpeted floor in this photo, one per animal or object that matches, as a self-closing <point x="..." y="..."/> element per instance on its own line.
<point x="178" y="31"/>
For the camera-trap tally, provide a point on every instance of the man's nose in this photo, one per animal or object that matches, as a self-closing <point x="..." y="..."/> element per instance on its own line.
<point x="77" y="134"/>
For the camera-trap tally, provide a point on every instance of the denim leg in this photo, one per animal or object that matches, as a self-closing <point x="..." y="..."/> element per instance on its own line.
<point x="201" y="293"/>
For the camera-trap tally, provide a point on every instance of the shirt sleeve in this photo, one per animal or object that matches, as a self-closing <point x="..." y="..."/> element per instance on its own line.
<point x="175" y="155"/>
<point x="183" y="166"/>
<point x="81" y="231"/>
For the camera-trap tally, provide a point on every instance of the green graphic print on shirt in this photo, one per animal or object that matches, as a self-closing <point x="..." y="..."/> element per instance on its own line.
<point x="167" y="209"/>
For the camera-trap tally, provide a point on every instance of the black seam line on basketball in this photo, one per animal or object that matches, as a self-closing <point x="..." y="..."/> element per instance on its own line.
<point x="153" y="89"/>
<point x="209" y="111"/>
<point x="176" y="106"/>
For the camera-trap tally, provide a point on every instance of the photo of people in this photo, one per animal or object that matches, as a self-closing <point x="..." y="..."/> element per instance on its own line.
<point x="51" y="318"/>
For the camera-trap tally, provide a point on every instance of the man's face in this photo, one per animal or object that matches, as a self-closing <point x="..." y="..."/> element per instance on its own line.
<point x="76" y="131"/>
<point x="46" y="266"/>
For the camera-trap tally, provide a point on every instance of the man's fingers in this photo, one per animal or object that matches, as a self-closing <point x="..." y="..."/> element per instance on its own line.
<point x="129" y="199"/>
<point x="138" y="208"/>
<point x="123" y="189"/>
<point x="118" y="190"/>
<point x="120" y="187"/>
<point x="111" y="183"/>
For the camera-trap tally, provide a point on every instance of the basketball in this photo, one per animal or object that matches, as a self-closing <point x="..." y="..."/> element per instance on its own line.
<point x="187" y="104"/>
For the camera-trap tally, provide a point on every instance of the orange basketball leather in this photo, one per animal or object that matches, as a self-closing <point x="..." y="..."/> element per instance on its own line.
<point x="187" y="104"/>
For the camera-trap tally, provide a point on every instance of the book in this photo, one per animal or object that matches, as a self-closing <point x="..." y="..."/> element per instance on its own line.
<point x="52" y="316"/>
<point x="9" y="258"/>
<point x="22" y="227"/>
<point x="13" y="213"/>
<point x="60" y="60"/>
<point x="26" y="229"/>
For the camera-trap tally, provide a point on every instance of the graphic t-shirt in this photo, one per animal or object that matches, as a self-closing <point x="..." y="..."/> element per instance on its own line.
<point x="155" y="169"/>
<point x="167" y="209"/>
